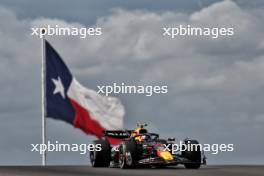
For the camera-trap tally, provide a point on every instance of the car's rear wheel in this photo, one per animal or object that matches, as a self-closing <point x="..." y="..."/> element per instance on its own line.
<point x="193" y="154"/>
<point x="126" y="160"/>
<point x="101" y="158"/>
<point x="128" y="154"/>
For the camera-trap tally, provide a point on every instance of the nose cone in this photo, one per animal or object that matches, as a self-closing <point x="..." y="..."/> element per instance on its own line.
<point x="165" y="155"/>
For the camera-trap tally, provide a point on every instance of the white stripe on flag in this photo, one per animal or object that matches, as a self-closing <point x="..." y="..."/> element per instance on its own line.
<point x="107" y="111"/>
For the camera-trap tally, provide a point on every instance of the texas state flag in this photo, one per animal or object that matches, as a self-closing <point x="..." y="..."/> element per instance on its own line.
<point x="68" y="100"/>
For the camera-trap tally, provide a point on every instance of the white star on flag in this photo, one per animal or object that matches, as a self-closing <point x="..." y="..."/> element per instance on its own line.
<point x="58" y="87"/>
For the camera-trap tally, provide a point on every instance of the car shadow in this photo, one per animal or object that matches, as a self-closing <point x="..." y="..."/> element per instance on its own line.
<point x="175" y="168"/>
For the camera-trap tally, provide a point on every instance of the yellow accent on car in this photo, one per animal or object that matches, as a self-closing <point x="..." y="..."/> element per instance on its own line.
<point x="139" y="131"/>
<point x="165" y="155"/>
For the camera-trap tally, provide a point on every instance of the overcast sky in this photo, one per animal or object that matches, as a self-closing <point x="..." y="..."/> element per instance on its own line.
<point x="215" y="85"/>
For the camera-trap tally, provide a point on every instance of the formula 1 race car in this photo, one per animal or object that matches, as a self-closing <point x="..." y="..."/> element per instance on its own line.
<point x="139" y="148"/>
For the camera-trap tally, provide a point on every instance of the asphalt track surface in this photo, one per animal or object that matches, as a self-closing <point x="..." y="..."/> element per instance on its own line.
<point x="87" y="171"/>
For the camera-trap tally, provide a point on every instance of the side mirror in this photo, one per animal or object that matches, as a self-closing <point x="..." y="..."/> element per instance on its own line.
<point x="171" y="139"/>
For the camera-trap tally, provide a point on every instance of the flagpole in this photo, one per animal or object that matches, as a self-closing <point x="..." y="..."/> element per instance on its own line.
<point x="43" y="96"/>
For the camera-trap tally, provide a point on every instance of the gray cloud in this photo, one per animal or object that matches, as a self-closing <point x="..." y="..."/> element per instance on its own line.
<point x="215" y="85"/>
<point x="88" y="11"/>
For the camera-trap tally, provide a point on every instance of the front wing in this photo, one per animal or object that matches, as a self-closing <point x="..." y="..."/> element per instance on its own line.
<point x="160" y="161"/>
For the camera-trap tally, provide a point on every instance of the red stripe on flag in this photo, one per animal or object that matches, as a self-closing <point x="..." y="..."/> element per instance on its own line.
<point x="83" y="120"/>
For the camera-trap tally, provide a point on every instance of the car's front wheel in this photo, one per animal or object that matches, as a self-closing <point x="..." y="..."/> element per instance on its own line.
<point x="193" y="154"/>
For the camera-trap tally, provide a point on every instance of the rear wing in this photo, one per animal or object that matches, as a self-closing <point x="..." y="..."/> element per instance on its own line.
<point x="119" y="134"/>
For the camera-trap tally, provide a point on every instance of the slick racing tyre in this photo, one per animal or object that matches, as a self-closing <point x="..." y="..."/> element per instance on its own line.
<point x="128" y="154"/>
<point x="101" y="158"/>
<point x="194" y="154"/>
